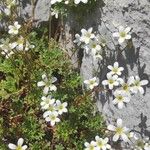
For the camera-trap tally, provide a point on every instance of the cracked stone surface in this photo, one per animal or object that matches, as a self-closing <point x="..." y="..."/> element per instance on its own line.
<point x="135" y="60"/>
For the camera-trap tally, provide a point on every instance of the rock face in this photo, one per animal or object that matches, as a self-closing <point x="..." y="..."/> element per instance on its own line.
<point x="41" y="10"/>
<point x="135" y="58"/>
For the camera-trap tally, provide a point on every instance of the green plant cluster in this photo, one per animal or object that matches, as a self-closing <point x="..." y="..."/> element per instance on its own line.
<point x="20" y="113"/>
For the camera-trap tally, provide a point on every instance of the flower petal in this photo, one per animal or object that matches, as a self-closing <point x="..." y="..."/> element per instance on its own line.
<point x="116" y="34"/>
<point x="115" y="137"/>
<point x="127" y="29"/>
<point x="111" y="127"/>
<point x="12" y="146"/>
<point x="116" y="65"/>
<point x="124" y="137"/>
<point x="24" y="147"/>
<point x="41" y="83"/>
<point x="20" y="141"/>
<point x="144" y="82"/>
<point x="46" y="89"/>
<point x="119" y="122"/>
<point x="121" y="40"/>
<point x="128" y="37"/>
<point x="120" y="105"/>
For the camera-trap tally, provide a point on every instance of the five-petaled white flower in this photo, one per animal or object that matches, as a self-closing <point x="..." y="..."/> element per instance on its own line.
<point x="52" y="117"/>
<point x="125" y="87"/>
<point x="78" y="1"/>
<point x="90" y="146"/>
<point x="120" y="131"/>
<point x="123" y="34"/>
<point x="115" y="69"/>
<point x="14" y="29"/>
<point x="61" y="107"/>
<point x="102" y="144"/>
<point x="19" y="145"/>
<point x="94" y="46"/>
<point x="48" y="86"/>
<point x="87" y="35"/>
<point x="120" y="98"/>
<point x="136" y="84"/>
<point x="91" y="83"/>
<point x="112" y="80"/>
<point x="47" y="101"/>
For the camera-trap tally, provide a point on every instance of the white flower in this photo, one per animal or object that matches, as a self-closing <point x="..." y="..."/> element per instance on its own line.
<point x="14" y="29"/>
<point x="102" y="144"/>
<point x="7" y="11"/>
<point x="19" y="145"/>
<point x="6" y="48"/>
<point x="90" y="146"/>
<point x="50" y="109"/>
<point x="115" y="69"/>
<point x="78" y="1"/>
<point x="77" y="39"/>
<point x="52" y="118"/>
<point x="21" y="44"/>
<point x="91" y="83"/>
<point x="120" y="98"/>
<point x="137" y="84"/>
<point x="147" y="146"/>
<point x="94" y="46"/>
<point x="61" y="107"/>
<point x="122" y="34"/>
<point x="87" y="35"/>
<point x="47" y="101"/>
<point x="48" y="86"/>
<point x="125" y="87"/>
<point x="119" y="130"/>
<point x="54" y="12"/>
<point x="55" y="1"/>
<point x="111" y="81"/>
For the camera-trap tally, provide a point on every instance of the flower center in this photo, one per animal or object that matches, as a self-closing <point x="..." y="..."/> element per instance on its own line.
<point x="119" y="130"/>
<point x="20" y="41"/>
<point x="19" y="148"/>
<point x="120" y="98"/>
<point x="140" y="144"/>
<point x="88" y="35"/>
<point x="100" y="144"/>
<point x="92" y="82"/>
<point x="123" y="34"/>
<point x="111" y="81"/>
<point x="53" y="117"/>
<point x="60" y="107"/>
<point x="47" y="101"/>
<point x="125" y="87"/>
<point x="115" y="70"/>
<point x="94" y="45"/>
<point x="91" y="147"/>
<point x="51" y="108"/>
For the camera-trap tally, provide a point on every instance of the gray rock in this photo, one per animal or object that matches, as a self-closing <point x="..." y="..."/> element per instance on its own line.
<point x="136" y="59"/>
